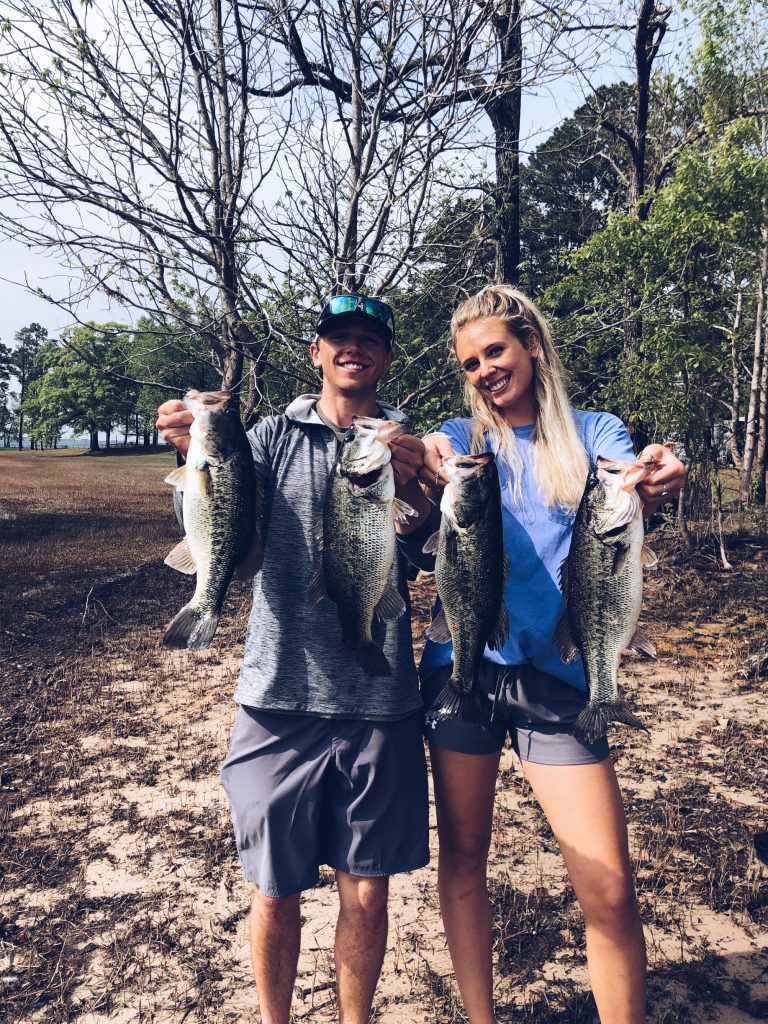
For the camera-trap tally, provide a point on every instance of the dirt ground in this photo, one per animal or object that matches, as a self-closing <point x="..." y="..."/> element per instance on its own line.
<point x="122" y="898"/>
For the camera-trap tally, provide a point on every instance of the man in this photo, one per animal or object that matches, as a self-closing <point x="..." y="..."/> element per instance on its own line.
<point x="326" y="765"/>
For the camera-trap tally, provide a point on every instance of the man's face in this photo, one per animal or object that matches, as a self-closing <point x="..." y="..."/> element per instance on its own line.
<point x="352" y="356"/>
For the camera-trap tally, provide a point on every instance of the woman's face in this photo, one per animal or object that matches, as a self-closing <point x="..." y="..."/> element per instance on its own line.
<point x="497" y="363"/>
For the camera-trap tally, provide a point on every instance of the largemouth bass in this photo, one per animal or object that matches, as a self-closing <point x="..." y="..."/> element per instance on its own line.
<point x="470" y="571"/>
<point x="357" y="538"/>
<point x="220" y="511"/>
<point x="602" y="582"/>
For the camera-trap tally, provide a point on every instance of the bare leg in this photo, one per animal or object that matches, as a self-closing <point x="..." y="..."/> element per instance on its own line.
<point x="464" y="793"/>
<point x="584" y="807"/>
<point x="275" y="930"/>
<point x="361" y="939"/>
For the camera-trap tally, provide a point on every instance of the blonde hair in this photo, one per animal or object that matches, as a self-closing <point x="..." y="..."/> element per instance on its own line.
<point x="560" y="463"/>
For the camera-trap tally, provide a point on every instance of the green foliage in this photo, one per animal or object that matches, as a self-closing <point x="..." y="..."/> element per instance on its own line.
<point x="700" y="241"/>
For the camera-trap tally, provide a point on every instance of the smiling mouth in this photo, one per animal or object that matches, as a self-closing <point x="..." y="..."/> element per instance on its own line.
<point x="353" y="366"/>
<point x="499" y="385"/>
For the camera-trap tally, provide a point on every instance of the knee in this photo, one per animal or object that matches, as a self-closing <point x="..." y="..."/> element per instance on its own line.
<point x="366" y="900"/>
<point x="611" y="904"/>
<point x="274" y="908"/>
<point x="464" y="857"/>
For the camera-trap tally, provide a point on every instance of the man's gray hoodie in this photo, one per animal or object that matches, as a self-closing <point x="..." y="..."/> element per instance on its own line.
<point x="293" y="659"/>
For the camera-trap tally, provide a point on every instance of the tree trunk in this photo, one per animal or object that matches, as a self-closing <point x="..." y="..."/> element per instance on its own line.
<point x="761" y="456"/>
<point x="21" y="430"/>
<point x="94" y="440"/>
<point x="504" y="114"/>
<point x="733" y="443"/>
<point x="751" y="423"/>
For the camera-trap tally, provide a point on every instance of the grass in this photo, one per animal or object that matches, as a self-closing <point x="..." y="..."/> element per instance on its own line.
<point x="122" y="898"/>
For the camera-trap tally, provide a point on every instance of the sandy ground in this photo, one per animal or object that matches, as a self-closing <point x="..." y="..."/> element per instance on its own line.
<point x="123" y="900"/>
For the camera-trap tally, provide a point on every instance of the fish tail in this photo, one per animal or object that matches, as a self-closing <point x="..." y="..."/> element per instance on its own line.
<point x="452" y="703"/>
<point x="593" y="721"/>
<point x="370" y="657"/>
<point x="191" y="628"/>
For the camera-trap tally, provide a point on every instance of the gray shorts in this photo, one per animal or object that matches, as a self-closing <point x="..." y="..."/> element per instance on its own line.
<point x="536" y="709"/>
<point x="306" y="791"/>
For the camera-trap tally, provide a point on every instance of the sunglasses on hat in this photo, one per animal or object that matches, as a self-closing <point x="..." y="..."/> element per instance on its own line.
<point x="361" y="306"/>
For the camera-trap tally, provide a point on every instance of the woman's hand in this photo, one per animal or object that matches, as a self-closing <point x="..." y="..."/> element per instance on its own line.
<point x="666" y="479"/>
<point x="432" y="476"/>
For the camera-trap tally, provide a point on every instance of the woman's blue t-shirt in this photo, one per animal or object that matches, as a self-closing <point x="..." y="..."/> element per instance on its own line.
<point x="536" y="541"/>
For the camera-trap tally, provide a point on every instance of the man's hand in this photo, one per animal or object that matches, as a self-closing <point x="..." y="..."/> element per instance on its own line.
<point x="173" y="421"/>
<point x="666" y="479"/>
<point x="407" y="458"/>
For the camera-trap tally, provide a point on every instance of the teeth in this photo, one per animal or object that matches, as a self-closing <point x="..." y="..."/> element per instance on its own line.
<point x="498" y="384"/>
<point x="353" y="366"/>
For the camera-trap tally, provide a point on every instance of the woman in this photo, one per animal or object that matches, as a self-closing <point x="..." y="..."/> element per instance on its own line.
<point x="515" y="390"/>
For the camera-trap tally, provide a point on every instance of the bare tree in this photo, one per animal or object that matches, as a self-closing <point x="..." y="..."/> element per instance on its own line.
<point x="129" y="147"/>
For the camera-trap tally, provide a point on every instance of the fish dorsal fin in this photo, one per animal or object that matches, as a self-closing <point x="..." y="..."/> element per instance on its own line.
<point x="181" y="558"/>
<point x="177" y="478"/>
<point x="642" y="644"/>
<point x="566" y="645"/>
<point x="620" y="558"/>
<point x="401" y="510"/>
<point x="498" y="637"/>
<point x="391" y="604"/>
<point x="648" y="558"/>
<point x="438" y="630"/>
<point x="316" y="590"/>
<point x="430" y="548"/>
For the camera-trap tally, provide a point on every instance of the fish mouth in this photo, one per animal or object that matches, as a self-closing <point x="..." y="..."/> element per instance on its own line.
<point x="462" y="467"/>
<point x="382" y="430"/>
<point x="630" y="474"/>
<point x="199" y="402"/>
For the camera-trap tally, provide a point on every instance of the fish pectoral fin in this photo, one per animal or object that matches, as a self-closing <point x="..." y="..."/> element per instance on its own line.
<point x="438" y="629"/>
<point x="430" y="548"/>
<point x="181" y="558"/>
<point x="620" y="558"/>
<point x="498" y="637"/>
<point x="253" y="560"/>
<point x="391" y="604"/>
<point x="641" y="644"/>
<point x="566" y="645"/>
<point x="316" y="590"/>
<point x="177" y="478"/>
<point x="401" y="510"/>
<point x="648" y="558"/>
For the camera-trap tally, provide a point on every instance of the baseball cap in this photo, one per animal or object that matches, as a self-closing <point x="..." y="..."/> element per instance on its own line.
<point x="343" y="307"/>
